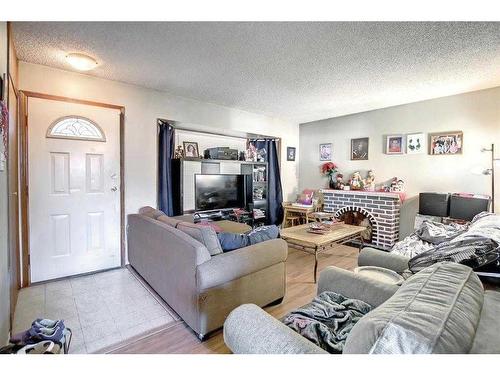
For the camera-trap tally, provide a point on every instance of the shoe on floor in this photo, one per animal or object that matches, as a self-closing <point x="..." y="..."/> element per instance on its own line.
<point x="42" y="347"/>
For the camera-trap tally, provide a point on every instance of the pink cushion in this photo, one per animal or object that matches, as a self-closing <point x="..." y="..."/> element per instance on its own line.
<point x="305" y="198"/>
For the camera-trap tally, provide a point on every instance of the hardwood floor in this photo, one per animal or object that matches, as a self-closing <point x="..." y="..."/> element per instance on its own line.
<point x="300" y="290"/>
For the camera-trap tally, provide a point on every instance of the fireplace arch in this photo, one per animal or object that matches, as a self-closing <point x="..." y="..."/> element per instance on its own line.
<point x="368" y="215"/>
<point x="381" y="209"/>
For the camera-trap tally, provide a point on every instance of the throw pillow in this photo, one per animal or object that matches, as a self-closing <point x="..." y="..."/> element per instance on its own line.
<point x="264" y="233"/>
<point x="205" y="235"/>
<point x="305" y="199"/>
<point x="151" y="212"/>
<point x="210" y="224"/>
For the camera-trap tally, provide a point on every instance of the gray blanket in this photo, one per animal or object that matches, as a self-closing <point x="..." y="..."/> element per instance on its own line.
<point x="327" y="320"/>
<point x="426" y="237"/>
<point x="476" y="246"/>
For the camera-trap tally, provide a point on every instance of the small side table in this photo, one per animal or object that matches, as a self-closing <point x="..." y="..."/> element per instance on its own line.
<point x="291" y="209"/>
<point x="320" y="216"/>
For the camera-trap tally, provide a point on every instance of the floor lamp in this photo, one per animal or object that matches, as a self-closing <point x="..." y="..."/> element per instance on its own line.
<point x="491" y="172"/>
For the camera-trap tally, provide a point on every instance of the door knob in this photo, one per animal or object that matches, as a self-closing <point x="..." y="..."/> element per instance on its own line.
<point x="114" y="188"/>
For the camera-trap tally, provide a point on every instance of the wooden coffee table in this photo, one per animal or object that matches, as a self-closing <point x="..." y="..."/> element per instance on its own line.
<point x="298" y="237"/>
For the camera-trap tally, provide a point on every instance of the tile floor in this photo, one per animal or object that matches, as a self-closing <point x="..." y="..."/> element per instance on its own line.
<point x="102" y="310"/>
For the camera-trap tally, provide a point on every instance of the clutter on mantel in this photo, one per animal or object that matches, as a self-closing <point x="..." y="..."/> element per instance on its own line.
<point x="357" y="183"/>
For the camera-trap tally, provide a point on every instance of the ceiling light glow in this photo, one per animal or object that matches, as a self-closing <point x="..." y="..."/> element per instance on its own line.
<point x="81" y="61"/>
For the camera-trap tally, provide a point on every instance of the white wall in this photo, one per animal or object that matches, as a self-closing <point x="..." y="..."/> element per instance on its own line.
<point x="4" y="249"/>
<point x="142" y="108"/>
<point x="477" y="114"/>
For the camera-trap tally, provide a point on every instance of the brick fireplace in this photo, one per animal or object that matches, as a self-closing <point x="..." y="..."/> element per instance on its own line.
<point x="380" y="209"/>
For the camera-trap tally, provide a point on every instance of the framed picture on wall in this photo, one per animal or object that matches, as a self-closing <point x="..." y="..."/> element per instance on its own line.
<point x="325" y="152"/>
<point x="191" y="149"/>
<point x="395" y="144"/>
<point x="359" y="148"/>
<point x="415" y="143"/>
<point x="446" y="143"/>
<point x="290" y="153"/>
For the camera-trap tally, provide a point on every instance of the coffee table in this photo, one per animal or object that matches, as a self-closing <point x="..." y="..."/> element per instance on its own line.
<point x="298" y="237"/>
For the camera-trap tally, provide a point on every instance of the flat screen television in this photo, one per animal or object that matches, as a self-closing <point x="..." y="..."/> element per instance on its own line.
<point x="219" y="191"/>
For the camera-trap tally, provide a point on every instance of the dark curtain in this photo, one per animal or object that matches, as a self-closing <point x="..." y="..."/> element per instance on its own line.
<point x="275" y="192"/>
<point x="166" y="148"/>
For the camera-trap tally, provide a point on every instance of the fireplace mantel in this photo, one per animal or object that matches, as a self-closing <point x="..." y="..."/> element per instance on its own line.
<point x="381" y="208"/>
<point x="363" y="192"/>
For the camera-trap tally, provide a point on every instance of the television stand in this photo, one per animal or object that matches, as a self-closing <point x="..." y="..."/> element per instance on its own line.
<point x="229" y="214"/>
<point x="214" y="215"/>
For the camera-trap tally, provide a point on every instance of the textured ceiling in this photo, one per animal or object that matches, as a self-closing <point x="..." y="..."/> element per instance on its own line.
<point x="297" y="71"/>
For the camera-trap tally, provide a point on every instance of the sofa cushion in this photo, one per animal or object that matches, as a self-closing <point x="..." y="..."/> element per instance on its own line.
<point x="168" y="220"/>
<point x="151" y="212"/>
<point x="487" y="340"/>
<point x="435" y="311"/>
<point x="203" y="234"/>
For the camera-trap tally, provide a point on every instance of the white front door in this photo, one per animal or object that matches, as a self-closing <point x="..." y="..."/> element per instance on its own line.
<point x="74" y="188"/>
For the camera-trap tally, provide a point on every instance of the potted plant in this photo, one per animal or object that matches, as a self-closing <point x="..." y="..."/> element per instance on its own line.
<point x="329" y="169"/>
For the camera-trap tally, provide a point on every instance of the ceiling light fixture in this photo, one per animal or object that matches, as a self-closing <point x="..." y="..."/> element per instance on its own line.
<point x="81" y="61"/>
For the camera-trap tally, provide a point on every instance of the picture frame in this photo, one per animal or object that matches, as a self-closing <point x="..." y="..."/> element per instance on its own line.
<point x="290" y="153"/>
<point x="325" y="152"/>
<point x="359" y="148"/>
<point x="395" y="144"/>
<point x="415" y="143"/>
<point x="446" y="143"/>
<point x="191" y="149"/>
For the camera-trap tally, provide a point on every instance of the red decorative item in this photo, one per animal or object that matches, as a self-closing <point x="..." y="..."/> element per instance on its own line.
<point x="328" y="168"/>
<point x="4" y="128"/>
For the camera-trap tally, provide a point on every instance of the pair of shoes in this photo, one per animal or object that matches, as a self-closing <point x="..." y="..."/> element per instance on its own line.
<point x="46" y="323"/>
<point x="42" y="347"/>
<point x="44" y="329"/>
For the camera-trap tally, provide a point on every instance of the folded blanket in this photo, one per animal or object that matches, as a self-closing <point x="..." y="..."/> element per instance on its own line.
<point x="327" y="320"/>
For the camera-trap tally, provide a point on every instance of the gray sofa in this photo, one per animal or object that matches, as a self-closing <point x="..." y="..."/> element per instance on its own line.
<point x="380" y="258"/>
<point x="442" y="309"/>
<point x="203" y="288"/>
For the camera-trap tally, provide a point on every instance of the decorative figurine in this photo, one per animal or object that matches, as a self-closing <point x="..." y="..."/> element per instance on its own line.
<point x="397" y="186"/>
<point x="179" y="152"/>
<point x="356" y="182"/>
<point x="339" y="182"/>
<point x="370" y="181"/>
<point x="400" y="186"/>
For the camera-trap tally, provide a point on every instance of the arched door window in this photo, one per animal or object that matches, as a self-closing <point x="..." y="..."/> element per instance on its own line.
<point x="76" y="127"/>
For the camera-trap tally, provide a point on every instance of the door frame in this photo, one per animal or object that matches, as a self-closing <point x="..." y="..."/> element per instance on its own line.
<point x="24" y="165"/>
